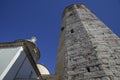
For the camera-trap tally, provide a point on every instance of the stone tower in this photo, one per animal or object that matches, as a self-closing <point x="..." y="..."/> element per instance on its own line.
<point x="88" y="49"/>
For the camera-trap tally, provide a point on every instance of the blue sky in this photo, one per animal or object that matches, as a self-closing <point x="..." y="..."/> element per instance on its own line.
<point x="21" y="19"/>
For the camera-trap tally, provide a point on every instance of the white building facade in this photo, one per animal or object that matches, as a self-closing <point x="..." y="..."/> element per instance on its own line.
<point x="18" y="61"/>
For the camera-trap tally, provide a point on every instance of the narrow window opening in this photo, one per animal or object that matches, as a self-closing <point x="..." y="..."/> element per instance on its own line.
<point x="72" y="31"/>
<point x="88" y="69"/>
<point x="62" y="28"/>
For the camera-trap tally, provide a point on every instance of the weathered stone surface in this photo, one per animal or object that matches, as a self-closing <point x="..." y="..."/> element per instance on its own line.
<point x="48" y="77"/>
<point x="88" y="49"/>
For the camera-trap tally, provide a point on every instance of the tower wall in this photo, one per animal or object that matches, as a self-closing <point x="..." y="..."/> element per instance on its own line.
<point x="88" y="49"/>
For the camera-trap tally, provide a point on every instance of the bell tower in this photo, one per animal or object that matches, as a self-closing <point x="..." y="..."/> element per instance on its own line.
<point x="88" y="49"/>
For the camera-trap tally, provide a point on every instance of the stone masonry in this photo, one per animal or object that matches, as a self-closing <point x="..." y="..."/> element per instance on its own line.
<point x="88" y="49"/>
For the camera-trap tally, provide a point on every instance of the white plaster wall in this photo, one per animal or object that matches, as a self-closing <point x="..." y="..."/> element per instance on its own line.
<point x="26" y="70"/>
<point x="14" y="64"/>
<point x="8" y="57"/>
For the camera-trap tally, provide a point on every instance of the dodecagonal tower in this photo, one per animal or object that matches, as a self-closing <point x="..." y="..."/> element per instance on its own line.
<point x="88" y="49"/>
